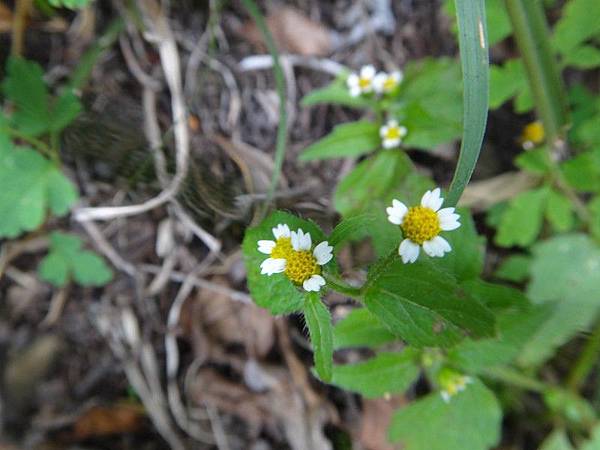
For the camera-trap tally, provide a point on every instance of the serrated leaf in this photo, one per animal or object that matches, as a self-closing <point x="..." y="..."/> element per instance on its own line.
<point x="522" y="220"/>
<point x="24" y="86"/>
<point x="494" y="296"/>
<point x="320" y="329"/>
<point x="583" y="171"/>
<point x="564" y="273"/>
<point x="559" y="212"/>
<point x="64" y="111"/>
<point x="66" y="260"/>
<point x="514" y="268"/>
<point x="507" y="81"/>
<point x="30" y="185"/>
<point x="360" y="328"/>
<point x="414" y="300"/>
<point x="471" y="420"/>
<point x="276" y="293"/>
<point x="583" y="57"/>
<point x="386" y="373"/>
<point x="535" y="161"/>
<point x="580" y="20"/>
<point x="349" y="139"/>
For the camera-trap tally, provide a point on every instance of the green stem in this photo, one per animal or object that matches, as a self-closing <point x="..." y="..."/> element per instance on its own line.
<point x="516" y="378"/>
<point x="342" y="287"/>
<point x="533" y="39"/>
<point x="586" y="361"/>
<point x="38" y="144"/>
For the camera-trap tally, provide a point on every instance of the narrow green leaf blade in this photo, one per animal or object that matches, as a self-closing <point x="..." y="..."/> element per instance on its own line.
<point x="475" y="61"/>
<point x="320" y="329"/>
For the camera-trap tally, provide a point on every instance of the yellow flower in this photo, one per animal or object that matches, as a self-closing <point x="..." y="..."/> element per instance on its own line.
<point x="422" y="224"/>
<point x="361" y="83"/>
<point x="451" y="383"/>
<point x="392" y="134"/>
<point x="533" y="135"/>
<point x="384" y="83"/>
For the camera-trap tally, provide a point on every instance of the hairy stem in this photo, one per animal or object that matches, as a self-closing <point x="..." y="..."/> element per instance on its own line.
<point x="342" y="287"/>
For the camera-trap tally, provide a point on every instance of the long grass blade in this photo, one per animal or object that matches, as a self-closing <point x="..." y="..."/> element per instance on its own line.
<point x="475" y="68"/>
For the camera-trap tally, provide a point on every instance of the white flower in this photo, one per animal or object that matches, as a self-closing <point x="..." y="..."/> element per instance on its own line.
<point x="391" y="134"/>
<point x="361" y="83"/>
<point x="384" y="83"/>
<point x="421" y="226"/>
<point x="303" y="265"/>
<point x="453" y="386"/>
<point x="279" y="250"/>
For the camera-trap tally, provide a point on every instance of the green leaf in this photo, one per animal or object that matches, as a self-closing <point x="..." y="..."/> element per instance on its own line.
<point x="276" y="293"/>
<point x="535" y="161"/>
<point x="466" y="258"/>
<point x="576" y="410"/>
<point x="594" y="209"/>
<point x="71" y="4"/>
<point x="514" y="268"/>
<point x="583" y="172"/>
<point x="584" y="57"/>
<point x="66" y="109"/>
<point x="474" y="59"/>
<point x="30" y="185"/>
<point x="523" y="218"/>
<point x="336" y="93"/>
<point x="386" y="373"/>
<point x="360" y="328"/>
<point x="66" y="260"/>
<point x="594" y="442"/>
<point x="516" y="326"/>
<point x="470" y="421"/>
<point x="24" y="86"/>
<point x="507" y="81"/>
<point x="580" y="20"/>
<point x="349" y="139"/>
<point x="499" y="27"/>
<point x="415" y="300"/>
<point x="558" y="440"/>
<point x="494" y="296"/>
<point x="564" y="273"/>
<point x="376" y="178"/>
<point x="559" y="212"/>
<point x="320" y="329"/>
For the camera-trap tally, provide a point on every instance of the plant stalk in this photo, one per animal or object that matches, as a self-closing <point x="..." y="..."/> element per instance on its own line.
<point x="342" y="287"/>
<point x="586" y="361"/>
<point x="532" y="35"/>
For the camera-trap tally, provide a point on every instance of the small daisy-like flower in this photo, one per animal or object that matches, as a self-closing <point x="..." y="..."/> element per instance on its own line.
<point x="391" y="134"/>
<point x="533" y="134"/>
<point x="384" y="83"/>
<point x="361" y="83"/>
<point x="451" y="383"/>
<point x="278" y="250"/>
<point x="303" y="266"/>
<point x="421" y="226"/>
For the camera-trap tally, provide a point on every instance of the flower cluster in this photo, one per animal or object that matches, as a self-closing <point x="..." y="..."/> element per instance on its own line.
<point x="421" y="226"/>
<point x="451" y="383"/>
<point x="367" y="80"/>
<point x="292" y="253"/>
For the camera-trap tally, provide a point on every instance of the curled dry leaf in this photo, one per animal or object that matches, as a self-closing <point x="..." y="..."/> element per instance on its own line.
<point x="111" y="420"/>
<point x="293" y="33"/>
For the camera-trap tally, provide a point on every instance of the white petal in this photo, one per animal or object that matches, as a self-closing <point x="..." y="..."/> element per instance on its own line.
<point x="403" y="131"/>
<point x="392" y="123"/>
<point x="379" y="81"/>
<point x="301" y="240"/>
<point x="397" y="76"/>
<point x="383" y="131"/>
<point x="436" y="246"/>
<point x="367" y="72"/>
<point x="391" y="143"/>
<point x="432" y="199"/>
<point x="266" y="247"/>
<point x="396" y="212"/>
<point x="314" y="283"/>
<point x="323" y="252"/>
<point x="409" y="251"/>
<point x="281" y="230"/>
<point x="448" y="219"/>
<point x="272" y="265"/>
<point x="445" y="396"/>
<point x="355" y="91"/>
<point x="352" y="80"/>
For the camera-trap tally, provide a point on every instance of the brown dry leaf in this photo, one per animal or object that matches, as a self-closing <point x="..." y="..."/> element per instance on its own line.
<point x="6" y="18"/>
<point x="293" y="33"/>
<point x="375" y="421"/>
<point x="104" y="421"/>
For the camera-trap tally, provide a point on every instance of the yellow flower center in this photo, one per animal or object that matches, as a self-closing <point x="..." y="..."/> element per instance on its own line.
<point x="393" y="133"/>
<point x="420" y="224"/>
<point x="300" y="266"/>
<point x="389" y="84"/>
<point x="364" y="83"/>
<point x="283" y="248"/>
<point x="534" y="133"/>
